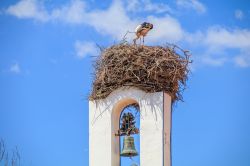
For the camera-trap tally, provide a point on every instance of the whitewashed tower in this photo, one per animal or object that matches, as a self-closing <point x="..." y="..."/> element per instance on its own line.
<point x="150" y="77"/>
<point x="155" y="127"/>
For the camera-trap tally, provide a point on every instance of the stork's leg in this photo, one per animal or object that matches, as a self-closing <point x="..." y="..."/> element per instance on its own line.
<point x="135" y="40"/>
<point x="143" y="40"/>
<point x="140" y="40"/>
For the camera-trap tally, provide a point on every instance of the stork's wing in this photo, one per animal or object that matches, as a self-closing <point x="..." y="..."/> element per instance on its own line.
<point x="138" y="28"/>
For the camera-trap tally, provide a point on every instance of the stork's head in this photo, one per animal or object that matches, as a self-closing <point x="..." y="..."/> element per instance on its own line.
<point x="148" y="25"/>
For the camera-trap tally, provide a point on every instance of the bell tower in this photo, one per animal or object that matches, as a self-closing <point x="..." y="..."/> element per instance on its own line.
<point x="155" y="127"/>
<point x="150" y="77"/>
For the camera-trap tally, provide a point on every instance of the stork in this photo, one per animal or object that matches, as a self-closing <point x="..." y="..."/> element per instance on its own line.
<point x="142" y="30"/>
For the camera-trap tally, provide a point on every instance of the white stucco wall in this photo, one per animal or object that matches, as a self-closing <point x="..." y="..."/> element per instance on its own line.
<point x="154" y="130"/>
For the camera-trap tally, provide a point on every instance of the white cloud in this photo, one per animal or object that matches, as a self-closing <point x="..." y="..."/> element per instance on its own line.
<point x="28" y="9"/>
<point x="113" y="21"/>
<point x="105" y="23"/>
<point x="194" y="38"/>
<point x="242" y="61"/>
<point x="73" y="13"/>
<point x="214" y="45"/>
<point x="213" y="61"/>
<point x="192" y="4"/>
<point x="167" y="29"/>
<point x="221" y="45"/>
<point x="156" y="7"/>
<point x="132" y="5"/>
<point x="84" y="49"/>
<point x="224" y="38"/>
<point x="146" y="6"/>
<point x="15" y="68"/>
<point x="220" y="38"/>
<point x="239" y="14"/>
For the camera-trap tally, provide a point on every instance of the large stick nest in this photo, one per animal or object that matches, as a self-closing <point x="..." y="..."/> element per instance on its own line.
<point x="149" y="68"/>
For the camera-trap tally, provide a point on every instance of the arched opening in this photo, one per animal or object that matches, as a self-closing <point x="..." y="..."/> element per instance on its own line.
<point x="124" y="106"/>
<point x="130" y="118"/>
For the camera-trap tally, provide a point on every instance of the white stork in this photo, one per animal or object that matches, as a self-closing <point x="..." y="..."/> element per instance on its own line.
<point x="142" y="30"/>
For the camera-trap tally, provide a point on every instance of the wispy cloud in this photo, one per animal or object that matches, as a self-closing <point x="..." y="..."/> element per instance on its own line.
<point x="192" y="4"/>
<point x="214" y="44"/>
<point x="113" y="21"/>
<point x="167" y="29"/>
<point x="137" y="6"/>
<point x="243" y="59"/>
<point x="73" y="12"/>
<point x="213" y="61"/>
<point x="239" y="14"/>
<point x="28" y="9"/>
<point x="15" y="68"/>
<point x="221" y="45"/>
<point x="226" y="38"/>
<point x="83" y="49"/>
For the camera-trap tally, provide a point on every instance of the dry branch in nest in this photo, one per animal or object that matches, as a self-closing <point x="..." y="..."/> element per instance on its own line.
<point x="149" y="68"/>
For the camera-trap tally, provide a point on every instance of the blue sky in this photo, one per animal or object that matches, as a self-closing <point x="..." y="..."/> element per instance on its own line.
<point x="46" y="55"/>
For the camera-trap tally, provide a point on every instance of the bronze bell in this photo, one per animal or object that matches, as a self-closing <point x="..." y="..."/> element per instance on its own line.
<point x="128" y="147"/>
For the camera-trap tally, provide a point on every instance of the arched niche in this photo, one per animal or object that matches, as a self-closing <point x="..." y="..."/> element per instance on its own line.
<point x="115" y="122"/>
